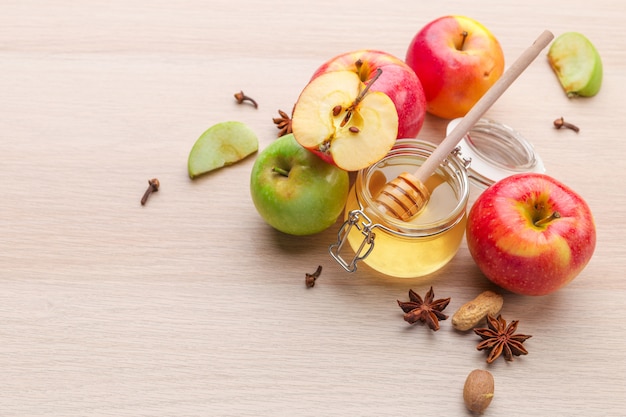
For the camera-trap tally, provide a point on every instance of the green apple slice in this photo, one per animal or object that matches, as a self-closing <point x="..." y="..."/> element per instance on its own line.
<point x="577" y="64"/>
<point x="220" y="145"/>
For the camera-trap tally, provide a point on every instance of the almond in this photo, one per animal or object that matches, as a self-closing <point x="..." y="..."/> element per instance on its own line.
<point x="478" y="390"/>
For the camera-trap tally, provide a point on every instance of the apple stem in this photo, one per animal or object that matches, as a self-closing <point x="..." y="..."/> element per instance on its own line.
<point x="464" y="34"/>
<point x="281" y="171"/>
<point x="546" y="220"/>
<point x="360" y="97"/>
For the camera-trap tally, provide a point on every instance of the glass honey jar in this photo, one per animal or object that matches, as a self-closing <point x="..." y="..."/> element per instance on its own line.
<point x="429" y="240"/>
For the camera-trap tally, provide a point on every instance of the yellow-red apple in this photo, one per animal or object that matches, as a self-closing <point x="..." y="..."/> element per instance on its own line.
<point x="397" y="80"/>
<point x="457" y="59"/>
<point x="530" y="234"/>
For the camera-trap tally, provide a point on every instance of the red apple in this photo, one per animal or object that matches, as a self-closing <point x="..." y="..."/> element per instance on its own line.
<point x="397" y="80"/>
<point x="530" y="234"/>
<point x="342" y="120"/>
<point x="457" y="59"/>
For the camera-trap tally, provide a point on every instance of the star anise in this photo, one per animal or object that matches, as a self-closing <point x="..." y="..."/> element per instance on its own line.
<point x="428" y="310"/>
<point x="499" y="338"/>
<point x="283" y="123"/>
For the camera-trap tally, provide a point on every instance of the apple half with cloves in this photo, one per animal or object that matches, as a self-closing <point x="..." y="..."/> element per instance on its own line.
<point x="397" y="80"/>
<point x="340" y="119"/>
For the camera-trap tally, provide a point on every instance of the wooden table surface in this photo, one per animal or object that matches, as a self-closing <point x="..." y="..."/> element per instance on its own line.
<point x="191" y="305"/>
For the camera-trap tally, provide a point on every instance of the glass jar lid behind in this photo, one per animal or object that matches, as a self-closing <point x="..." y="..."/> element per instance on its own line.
<point x="496" y="151"/>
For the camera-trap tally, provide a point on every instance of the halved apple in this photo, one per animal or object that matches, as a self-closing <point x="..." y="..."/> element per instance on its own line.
<point x="221" y="145"/>
<point x="577" y="64"/>
<point x="338" y="118"/>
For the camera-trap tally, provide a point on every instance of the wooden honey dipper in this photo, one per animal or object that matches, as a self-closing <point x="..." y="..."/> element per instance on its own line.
<point x="404" y="196"/>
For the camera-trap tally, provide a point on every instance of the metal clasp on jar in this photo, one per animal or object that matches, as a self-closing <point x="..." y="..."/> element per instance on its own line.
<point x="367" y="245"/>
<point x="458" y="152"/>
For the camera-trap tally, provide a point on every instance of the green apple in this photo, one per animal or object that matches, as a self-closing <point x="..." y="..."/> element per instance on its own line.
<point x="295" y="191"/>
<point x="577" y="64"/>
<point x="220" y="145"/>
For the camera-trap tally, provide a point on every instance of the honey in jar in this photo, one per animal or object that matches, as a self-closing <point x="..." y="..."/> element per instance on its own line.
<point x="395" y="247"/>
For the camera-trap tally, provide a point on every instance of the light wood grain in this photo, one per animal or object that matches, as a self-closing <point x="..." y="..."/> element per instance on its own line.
<point x="191" y="305"/>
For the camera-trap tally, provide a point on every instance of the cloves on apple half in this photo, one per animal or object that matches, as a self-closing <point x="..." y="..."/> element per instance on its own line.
<point x="356" y="105"/>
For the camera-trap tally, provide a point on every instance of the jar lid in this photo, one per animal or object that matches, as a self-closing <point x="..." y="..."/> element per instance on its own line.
<point x="496" y="151"/>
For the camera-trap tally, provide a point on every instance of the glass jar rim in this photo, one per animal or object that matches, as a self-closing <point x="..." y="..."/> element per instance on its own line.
<point x="416" y="147"/>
